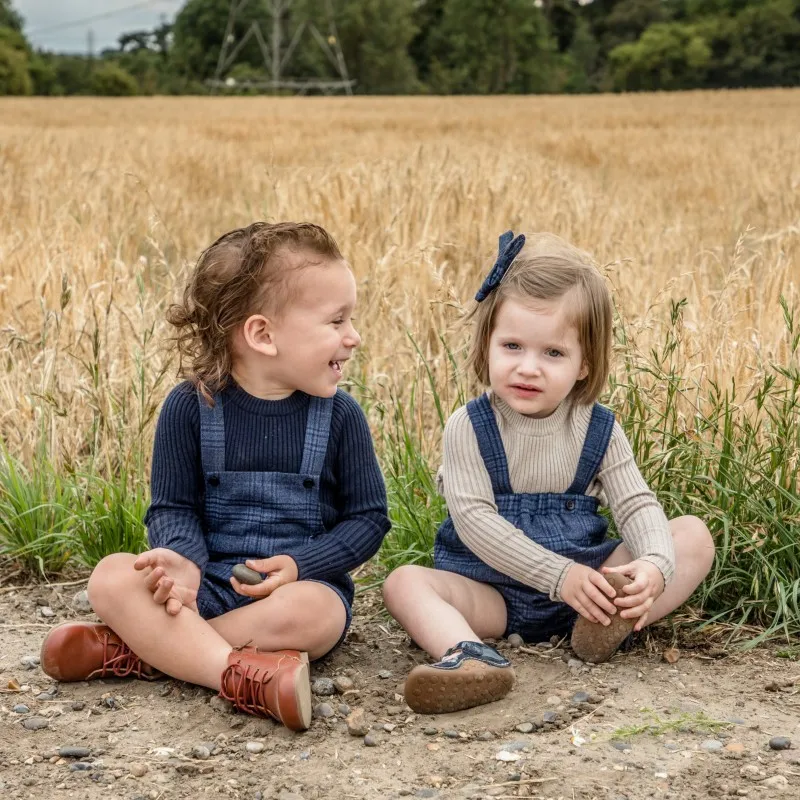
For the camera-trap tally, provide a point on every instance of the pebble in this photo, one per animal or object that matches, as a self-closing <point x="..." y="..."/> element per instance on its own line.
<point x="29" y="662"/>
<point x="779" y="782"/>
<point x="573" y="663"/>
<point x="580" y="697"/>
<point x="201" y="752"/>
<point x="245" y="575"/>
<point x="370" y="740"/>
<point x="622" y="746"/>
<point x="451" y="734"/>
<point x="515" y="746"/>
<point x="80" y="602"/>
<point x="515" y="640"/>
<point x="484" y="736"/>
<point x="735" y="747"/>
<point x="553" y="700"/>
<point x="343" y="683"/>
<point x="525" y="727"/>
<point x="550" y="716"/>
<point x="389" y="727"/>
<point x="46" y="612"/>
<point x="324" y="687"/>
<point x="780" y="743"/>
<point x="79" y="766"/>
<point x="78" y="705"/>
<point x="431" y="731"/>
<point x="21" y="709"/>
<point x="384" y="674"/>
<point x="711" y="745"/>
<point x="343" y="709"/>
<point x="138" y="770"/>
<point x="68" y="751"/>
<point x="35" y="723"/>
<point x="254" y="747"/>
<point x="323" y="711"/>
<point x="357" y="724"/>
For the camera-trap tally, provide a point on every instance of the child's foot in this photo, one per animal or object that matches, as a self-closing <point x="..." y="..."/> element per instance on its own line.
<point x="81" y="651"/>
<point x="469" y="674"/>
<point x="273" y="685"/>
<point x="594" y="642"/>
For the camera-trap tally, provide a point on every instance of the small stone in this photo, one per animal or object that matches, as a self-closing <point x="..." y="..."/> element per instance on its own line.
<point x="621" y="745"/>
<point x="779" y="782"/>
<point x="431" y="731"/>
<point x="735" y="747"/>
<point x="389" y="727"/>
<point x="80" y="766"/>
<point x="573" y="663"/>
<point x="451" y="734"/>
<point x="553" y="700"/>
<point x="780" y="743"/>
<point x="46" y="612"/>
<point x="515" y="640"/>
<point x="515" y="746"/>
<point x="343" y="709"/>
<point x="245" y="575"/>
<point x="78" y="705"/>
<point x="138" y="770"/>
<point x="370" y="740"/>
<point x="20" y="709"/>
<point x="485" y="736"/>
<point x="343" y="683"/>
<point x="35" y="723"/>
<point x="550" y="717"/>
<point x="74" y="752"/>
<point x="29" y="662"/>
<point x="201" y="752"/>
<point x="254" y="747"/>
<point x="580" y="697"/>
<point x="323" y="687"/>
<point x="525" y="727"/>
<point x="80" y="602"/>
<point x="711" y="745"/>
<point x="357" y="724"/>
<point x="384" y="674"/>
<point x="45" y="695"/>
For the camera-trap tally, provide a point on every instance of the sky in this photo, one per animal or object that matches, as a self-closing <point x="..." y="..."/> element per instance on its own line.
<point x="63" y="26"/>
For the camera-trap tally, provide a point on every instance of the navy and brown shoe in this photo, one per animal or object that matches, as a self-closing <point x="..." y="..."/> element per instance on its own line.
<point x="469" y="674"/>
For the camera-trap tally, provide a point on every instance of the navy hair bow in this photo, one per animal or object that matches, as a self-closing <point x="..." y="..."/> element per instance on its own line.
<point x="508" y="250"/>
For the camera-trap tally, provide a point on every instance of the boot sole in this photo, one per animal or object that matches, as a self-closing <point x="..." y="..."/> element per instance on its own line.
<point x="435" y="691"/>
<point x="296" y="714"/>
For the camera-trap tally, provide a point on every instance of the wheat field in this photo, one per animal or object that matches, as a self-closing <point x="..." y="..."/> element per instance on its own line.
<point x="105" y="203"/>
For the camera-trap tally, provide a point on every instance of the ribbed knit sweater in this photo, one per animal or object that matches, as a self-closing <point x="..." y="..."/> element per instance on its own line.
<point x="268" y="436"/>
<point x="543" y="456"/>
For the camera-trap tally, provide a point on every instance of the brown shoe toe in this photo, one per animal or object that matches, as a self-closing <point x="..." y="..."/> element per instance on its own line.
<point x="81" y="651"/>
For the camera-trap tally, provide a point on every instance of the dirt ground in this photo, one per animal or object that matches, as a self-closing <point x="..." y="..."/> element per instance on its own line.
<point x="637" y="727"/>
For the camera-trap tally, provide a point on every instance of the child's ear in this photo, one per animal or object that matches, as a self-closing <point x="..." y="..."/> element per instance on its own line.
<point x="257" y="332"/>
<point x="584" y="373"/>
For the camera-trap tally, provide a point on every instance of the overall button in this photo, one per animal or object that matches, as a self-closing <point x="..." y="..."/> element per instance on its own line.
<point x="308" y="483"/>
<point x="569" y="505"/>
<point x="213" y="480"/>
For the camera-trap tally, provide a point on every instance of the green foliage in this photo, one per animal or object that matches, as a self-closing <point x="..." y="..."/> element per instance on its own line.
<point x="9" y="18"/>
<point x="14" y="76"/>
<point x="111" y="80"/>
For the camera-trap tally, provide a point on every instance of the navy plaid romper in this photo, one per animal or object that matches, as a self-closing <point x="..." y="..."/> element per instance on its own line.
<point x="260" y="514"/>
<point x="568" y="524"/>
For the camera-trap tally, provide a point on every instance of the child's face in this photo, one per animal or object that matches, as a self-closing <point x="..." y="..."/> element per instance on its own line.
<point x="535" y="357"/>
<point x="314" y="334"/>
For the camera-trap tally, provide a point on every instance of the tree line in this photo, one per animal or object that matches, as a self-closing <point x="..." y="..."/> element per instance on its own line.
<point x="437" y="47"/>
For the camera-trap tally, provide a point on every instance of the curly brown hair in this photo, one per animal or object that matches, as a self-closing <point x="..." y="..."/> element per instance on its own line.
<point x="241" y="274"/>
<point x="547" y="268"/>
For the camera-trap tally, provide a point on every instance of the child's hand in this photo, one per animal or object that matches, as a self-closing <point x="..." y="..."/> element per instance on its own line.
<point x="280" y="569"/>
<point x="588" y="592"/>
<point x="172" y="578"/>
<point x="648" y="583"/>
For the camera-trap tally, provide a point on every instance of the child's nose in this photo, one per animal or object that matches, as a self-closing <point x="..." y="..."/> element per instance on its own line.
<point x="352" y="339"/>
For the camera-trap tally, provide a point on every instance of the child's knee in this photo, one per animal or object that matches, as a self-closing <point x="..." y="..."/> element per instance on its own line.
<point x="109" y="579"/>
<point x="696" y="541"/>
<point x="401" y="582"/>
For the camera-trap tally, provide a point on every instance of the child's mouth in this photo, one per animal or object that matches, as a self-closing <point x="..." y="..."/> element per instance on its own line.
<point x="336" y="366"/>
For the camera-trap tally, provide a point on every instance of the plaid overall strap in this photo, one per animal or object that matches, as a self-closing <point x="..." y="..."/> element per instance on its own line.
<point x="594" y="449"/>
<point x="212" y="435"/>
<point x="490" y="444"/>
<point x="318" y="427"/>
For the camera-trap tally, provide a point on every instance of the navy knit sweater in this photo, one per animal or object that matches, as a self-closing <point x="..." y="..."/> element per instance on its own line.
<point x="268" y="436"/>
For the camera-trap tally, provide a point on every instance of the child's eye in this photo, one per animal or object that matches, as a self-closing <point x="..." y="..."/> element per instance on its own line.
<point x="511" y="346"/>
<point x="553" y="353"/>
<point x="338" y="322"/>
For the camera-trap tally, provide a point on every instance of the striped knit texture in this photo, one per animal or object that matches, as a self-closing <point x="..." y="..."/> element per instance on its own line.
<point x="543" y="456"/>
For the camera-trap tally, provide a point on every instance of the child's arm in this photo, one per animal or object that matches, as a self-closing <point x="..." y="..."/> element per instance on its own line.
<point x="642" y="525"/>
<point x="363" y="519"/>
<point x="470" y="501"/>
<point x="174" y="517"/>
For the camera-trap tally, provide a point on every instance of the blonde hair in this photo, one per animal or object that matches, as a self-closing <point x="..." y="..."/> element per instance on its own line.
<point x="235" y="277"/>
<point x="547" y="268"/>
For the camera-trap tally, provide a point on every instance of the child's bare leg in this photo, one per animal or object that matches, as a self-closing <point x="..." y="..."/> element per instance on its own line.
<point x="694" y="555"/>
<point x="438" y="609"/>
<point x="305" y="615"/>
<point x="184" y="646"/>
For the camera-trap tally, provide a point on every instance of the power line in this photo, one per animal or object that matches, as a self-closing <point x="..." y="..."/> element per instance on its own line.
<point x="105" y="15"/>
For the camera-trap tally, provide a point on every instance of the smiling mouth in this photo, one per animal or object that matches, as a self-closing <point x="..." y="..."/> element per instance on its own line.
<point x="336" y="366"/>
<point x="526" y="389"/>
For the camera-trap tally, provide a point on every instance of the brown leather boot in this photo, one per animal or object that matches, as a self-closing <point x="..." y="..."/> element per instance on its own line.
<point x="273" y="685"/>
<point x="81" y="651"/>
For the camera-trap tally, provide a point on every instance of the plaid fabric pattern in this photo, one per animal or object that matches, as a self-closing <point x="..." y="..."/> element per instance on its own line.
<point x="568" y="524"/>
<point x="259" y="514"/>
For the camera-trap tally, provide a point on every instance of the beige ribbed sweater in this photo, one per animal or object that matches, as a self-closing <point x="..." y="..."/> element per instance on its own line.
<point x="543" y="456"/>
